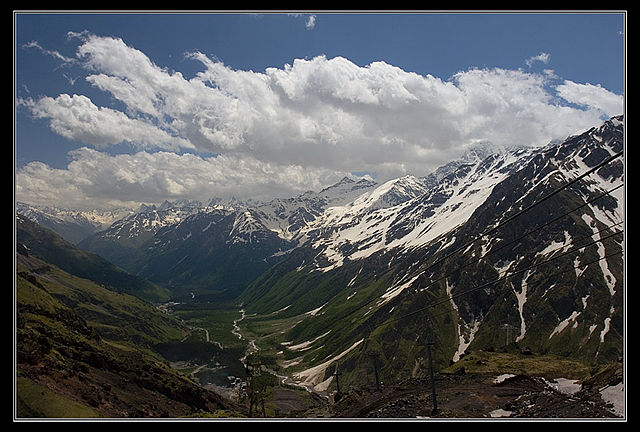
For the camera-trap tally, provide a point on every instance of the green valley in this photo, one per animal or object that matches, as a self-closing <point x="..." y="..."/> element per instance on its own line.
<point x="83" y="350"/>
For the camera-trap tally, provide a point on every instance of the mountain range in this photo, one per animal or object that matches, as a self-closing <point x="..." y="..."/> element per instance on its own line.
<point x="72" y="225"/>
<point x="520" y="246"/>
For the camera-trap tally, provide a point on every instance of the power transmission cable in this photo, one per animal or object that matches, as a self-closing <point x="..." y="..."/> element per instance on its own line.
<point x="501" y="224"/>
<point x="551" y="253"/>
<point x="548" y="196"/>
<point x="513" y="241"/>
<point x="521" y="212"/>
<point x="512" y="274"/>
<point x="575" y="249"/>
<point x="495" y="250"/>
<point x="448" y="299"/>
<point x="560" y="272"/>
<point x="502" y="278"/>
<point x="469" y="262"/>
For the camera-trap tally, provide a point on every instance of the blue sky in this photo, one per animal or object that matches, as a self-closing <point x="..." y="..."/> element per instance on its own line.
<point x="309" y="96"/>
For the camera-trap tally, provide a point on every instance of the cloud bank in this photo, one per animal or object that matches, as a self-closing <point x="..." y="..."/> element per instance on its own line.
<point x="286" y="130"/>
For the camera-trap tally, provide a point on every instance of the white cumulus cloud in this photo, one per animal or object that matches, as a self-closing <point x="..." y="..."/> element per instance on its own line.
<point x="126" y="180"/>
<point x="593" y="97"/>
<point x="77" y="118"/>
<point x="292" y="128"/>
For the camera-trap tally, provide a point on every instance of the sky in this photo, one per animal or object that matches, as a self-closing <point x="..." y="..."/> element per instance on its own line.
<point x="118" y="109"/>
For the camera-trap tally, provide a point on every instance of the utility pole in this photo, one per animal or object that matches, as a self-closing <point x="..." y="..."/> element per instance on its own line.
<point x="507" y="327"/>
<point x="433" y="383"/>
<point x="337" y="375"/>
<point x="374" y="356"/>
<point x="255" y="397"/>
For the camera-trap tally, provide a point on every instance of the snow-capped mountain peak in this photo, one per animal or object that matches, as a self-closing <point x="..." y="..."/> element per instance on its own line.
<point x="405" y="212"/>
<point x="391" y="193"/>
<point x="73" y="225"/>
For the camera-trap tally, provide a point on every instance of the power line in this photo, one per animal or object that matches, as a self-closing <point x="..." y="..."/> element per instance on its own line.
<point x="521" y="212"/>
<point x="502" y="278"/>
<point x="469" y="262"/>
<point x="548" y="196"/>
<point x="520" y="271"/>
<point x="429" y="342"/>
<point x="557" y="273"/>
<point x="430" y="316"/>
<point x="511" y="218"/>
<point x="503" y="223"/>
<point x="492" y="251"/>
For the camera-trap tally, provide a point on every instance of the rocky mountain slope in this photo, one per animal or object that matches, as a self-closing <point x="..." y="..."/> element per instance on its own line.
<point x="49" y="246"/>
<point x="84" y="351"/>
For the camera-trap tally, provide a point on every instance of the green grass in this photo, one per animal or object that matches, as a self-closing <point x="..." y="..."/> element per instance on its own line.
<point x="118" y="317"/>
<point x="547" y="365"/>
<point x="34" y="400"/>
<point x="218" y="320"/>
<point x="50" y="247"/>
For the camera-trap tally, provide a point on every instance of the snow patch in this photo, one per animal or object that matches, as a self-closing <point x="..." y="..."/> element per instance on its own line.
<point x="502" y="269"/>
<point x="313" y="375"/>
<point x="522" y="299"/>
<point x="288" y="363"/>
<point x="501" y="378"/>
<point x="564" y="385"/>
<point x="462" y="343"/>
<point x="557" y="246"/>
<point x="605" y="330"/>
<point x="615" y="396"/>
<point x="354" y="278"/>
<point x="608" y="276"/>
<point x="396" y="290"/>
<point x="564" y="323"/>
<point x="305" y="345"/>
<point x="500" y="413"/>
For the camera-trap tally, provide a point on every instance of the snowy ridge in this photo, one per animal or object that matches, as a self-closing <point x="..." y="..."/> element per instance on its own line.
<point x="590" y="148"/>
<point x="149" y="219"/>
<point x="289" y="217"/>
<point x="245" y="227"/>
<point x="72" y="225"/>
<point x="405" y="213"/>
<point x="391" y="193"/>
<point x="99" y="219"/>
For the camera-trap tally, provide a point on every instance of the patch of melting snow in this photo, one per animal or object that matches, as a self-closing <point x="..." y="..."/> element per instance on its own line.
<point x="615" y="396"/>
<point x="312" y="376"/>
<point x="305" y="345"/>
<point x="500" y="413"/>
<point x="564" y="385"/>
<point x="501" y="378"/>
